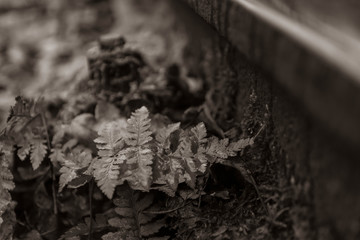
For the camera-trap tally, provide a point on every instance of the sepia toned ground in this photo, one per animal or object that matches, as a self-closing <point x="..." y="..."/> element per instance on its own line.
<point x="283" y="188"/>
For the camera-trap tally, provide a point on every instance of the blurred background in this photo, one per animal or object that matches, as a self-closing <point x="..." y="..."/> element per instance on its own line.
<point x="43" y="43"/>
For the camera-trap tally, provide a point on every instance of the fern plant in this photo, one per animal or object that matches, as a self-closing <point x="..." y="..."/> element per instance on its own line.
<point x="74" y="166"/>
<point x="6" y="204"/>
<point x="132" y="222"/>
<point x="128" y="152"/>
<point x="131" y="154"/>
<point x="26" y="128"/>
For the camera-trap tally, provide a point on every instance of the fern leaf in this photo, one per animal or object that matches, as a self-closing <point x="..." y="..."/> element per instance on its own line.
<point x="138" y="151"/>
<point x="24" y="151"/>
<point x="78" y="158"/>
<point x="38" y="152"/>
<point x="110" y="136"/>
<point x="106" y="173"/>
<point x="67" y="175"/>
<point x="121" y="223"/>
<point x="218" y="148"/>
<point x="138" y="128"/>
<point x="132" y="221"/>
<point x="149" y="229"/>
<point x="78" y="230"/>
<point x="113" y="236"/>
<point x="57" y="155"/>
<point x="199" y="132"/>
<point x="166" y="189"/>
<point x="124" y="212"/>
<point x="6" y="205"/>
<point x="109" y="143"/>
<point x="83" y="228"/>
<point x="163" y="135"/>
<point x="239" y="145"/>
<point x="145" y="202"/>
<point x="6" y="177"/>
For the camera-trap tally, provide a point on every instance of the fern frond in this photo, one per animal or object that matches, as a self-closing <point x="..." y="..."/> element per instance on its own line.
<point x="163" y="135"/>
<point x="138" y="152"/>
<point x="106" y="173"/>
<point x="57" y="155"/>
<point x="199" y="132"/>
<point x="38" y="152"/>
<point x="106" y="167"/>
<point x="76" y="160"/>
<point x="6" y="177"/>
<point x="24" y="150"/>
<point x="131" y="220"/>
<point x="6" y="184"/>
<point x="219" y="148"/>
<point x="239" y="145"/>
<point x="82" y="229"/>
<point x="110" y="136"/>
<point x="67" y="175"/>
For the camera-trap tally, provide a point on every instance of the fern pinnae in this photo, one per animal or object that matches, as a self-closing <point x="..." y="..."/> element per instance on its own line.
<point x="6" y="184"/>
<point x="38" y="152"/>
<point x="106" y="167"/>
<point x="138" y="151"/>
<point x="77" y="159"/>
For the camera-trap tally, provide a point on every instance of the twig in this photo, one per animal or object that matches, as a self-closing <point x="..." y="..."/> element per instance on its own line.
<point x="166" y="211"/>
<point x="258" y="193"/>
<point x="53" y="177"/>
<point x="91" y="190"/>
<point x="260" y="130"/>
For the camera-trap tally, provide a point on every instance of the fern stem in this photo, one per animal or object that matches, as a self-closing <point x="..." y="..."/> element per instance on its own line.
<point x="167" y="211"/>
<point x="91" y="191"/>
<point x="53" y="177"/>
<point x="135" y="211"/>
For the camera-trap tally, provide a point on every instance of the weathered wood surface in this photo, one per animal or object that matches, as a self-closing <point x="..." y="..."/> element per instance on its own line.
<point x="317" y="153"/>
<point x="316" y="61"/>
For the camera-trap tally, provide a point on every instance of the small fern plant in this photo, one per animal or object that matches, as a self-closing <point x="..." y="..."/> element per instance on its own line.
<point x="162" y="159"/>
<point x="27" y="128"/>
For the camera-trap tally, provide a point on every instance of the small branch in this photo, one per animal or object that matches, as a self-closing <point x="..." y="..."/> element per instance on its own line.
<point x="258" y="193"/>
<point x="260" y="130"/>
<point x="91" y="190"/>
<point x="53" y="177"/>
<point x="166" y="211"/>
